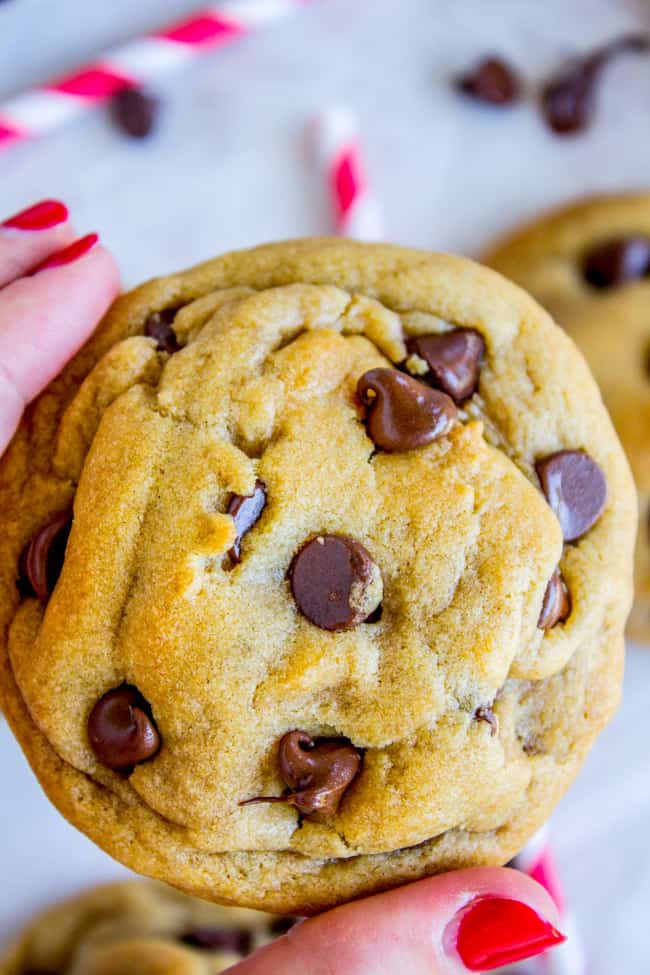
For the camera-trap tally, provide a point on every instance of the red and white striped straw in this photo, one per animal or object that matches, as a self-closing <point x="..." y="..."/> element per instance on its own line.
<point x="537" y="861"/>
<point x="139" y="62"/>
<point x="335" y="147"/>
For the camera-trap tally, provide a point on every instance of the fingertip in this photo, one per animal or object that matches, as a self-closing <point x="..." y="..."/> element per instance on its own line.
<point x="107" y="270"/>
<point x="46" y="318"/>
<point x="416" y="928"/>
<point x="504" y="882"/>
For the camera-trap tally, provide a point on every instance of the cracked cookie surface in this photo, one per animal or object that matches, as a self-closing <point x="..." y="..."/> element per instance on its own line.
<point x="139" y="928"/>
<point x="300" y="646"/>
<point x="589" y="265"/>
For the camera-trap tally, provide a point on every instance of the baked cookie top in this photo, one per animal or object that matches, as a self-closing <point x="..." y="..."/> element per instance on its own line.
<point x="589" y="265"/>
<point x="310" y="638"/>
<point x="139" y="927"/>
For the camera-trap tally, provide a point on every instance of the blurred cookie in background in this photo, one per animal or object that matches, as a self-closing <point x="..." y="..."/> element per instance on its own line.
<point x="589" y="265"/>
<point x="139" y="927"/>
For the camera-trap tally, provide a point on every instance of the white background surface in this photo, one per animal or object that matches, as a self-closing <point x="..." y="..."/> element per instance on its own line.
<point x="227" y="168"/>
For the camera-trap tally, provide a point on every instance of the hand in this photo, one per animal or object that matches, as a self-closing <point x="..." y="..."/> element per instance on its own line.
<point x="47" y="314"/>
<point x="53" y="292"/>
<point x="471" y="920"/>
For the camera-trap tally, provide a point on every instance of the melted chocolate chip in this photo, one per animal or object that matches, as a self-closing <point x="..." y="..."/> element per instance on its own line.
<point x="237" y="940"/>
<point x="280" y="925"/>
<point x="568" y="98"/>
<point x="575" y="488"/>
<point x="556" y="604"/>
<point x="41" y="562"/>
<point x="403" y="414"/>
<point x="158" y="326"/>
<point x="492" y="80"/>
<point x="318" y="772"/>
<point x="486" y="714"/>
<point x="121" y="729"/>
<point x="246" y="511"/>
<point x="617" y="261"/>
<point x="135" y="111"/>
<point x="335" y="582"/>
<point x="454" y="360"/>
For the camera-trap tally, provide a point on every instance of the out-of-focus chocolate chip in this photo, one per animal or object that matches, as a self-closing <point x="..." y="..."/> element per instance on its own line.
<point x="617" y="261"/>
<point x="454" y="360"/>
<point x="492" y="80"/>
<point x="568" y="97"/>
<point x="280" y="925"/>
<point x="135" y="111"/>
<point x="335" y="582"/>
<point x="42" y="560"/>
<point x="317" y="770"/>
<point x="237" y="940"/>
<point x="158" y="326"/>
<point x="402" y="413"/>
<point x="575" y="488"/>
<point x="486" y="714"/>
<point x="556" y="604"/>
<point x="246" y="511"/>
<point x="121" y="730"/>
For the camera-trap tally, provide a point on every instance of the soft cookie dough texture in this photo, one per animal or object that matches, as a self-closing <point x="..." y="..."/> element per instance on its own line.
<point x="609" y="321"/>
<point x="138" y="928"/>
<point x="470" y="720"/>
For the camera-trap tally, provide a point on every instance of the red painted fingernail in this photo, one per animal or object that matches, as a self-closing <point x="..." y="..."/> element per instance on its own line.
<point x="71" y="253"/>
<point x="42" y="216"/>
<point x="496" y="931"/>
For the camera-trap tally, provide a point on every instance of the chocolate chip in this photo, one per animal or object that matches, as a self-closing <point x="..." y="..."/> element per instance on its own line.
<point x="246" y="511"/>
<point x="318" y="771"/>
<point x="280" y="925"/>
<point x="534" y="745"/>
<point x="135" y="111"/>
<point x="158" y="326"/>
<point x="376" y="615"/>
<point x="556" y="604"/>
<point x="454" y="360"/>
<point x="403" y="414"/>
<point x="335" y="582"/>
<point x="575" y="488"/>
<point x="121" y="729"/>
<point x="486" y="714"/>
<point x="617" y="261"/>
<point x="237" y="940"/>
<point x="492" y="80"/>
<point x="42" y="560"/>
<point x="568" y="98"/>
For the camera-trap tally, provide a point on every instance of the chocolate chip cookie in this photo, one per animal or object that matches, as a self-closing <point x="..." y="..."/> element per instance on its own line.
<point x="139" y="927"/>
<point x="589" y="264"/>
<point x="315" y="564"/>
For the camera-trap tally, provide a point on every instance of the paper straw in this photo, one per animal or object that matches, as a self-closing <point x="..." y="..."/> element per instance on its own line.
<point x="537" y="861"/>
<point x="139" y="62"/>
<point x="335" y="148"/>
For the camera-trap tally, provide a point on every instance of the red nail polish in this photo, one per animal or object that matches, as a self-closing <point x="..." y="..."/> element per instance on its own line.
<point x="496" y="931"/>
<point x="71" y="253"/>
<point x="42" y="216"/>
